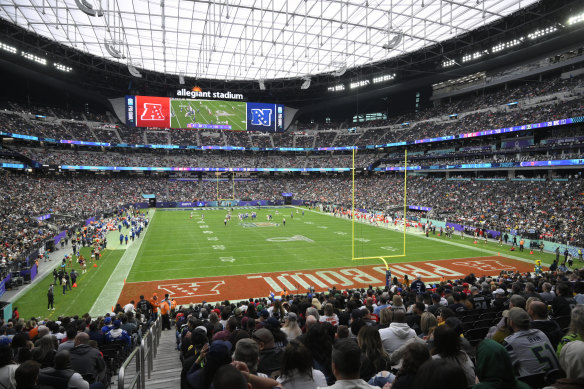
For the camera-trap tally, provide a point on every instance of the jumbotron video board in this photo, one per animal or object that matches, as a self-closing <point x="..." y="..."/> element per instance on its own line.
<point x="191" y="114"/>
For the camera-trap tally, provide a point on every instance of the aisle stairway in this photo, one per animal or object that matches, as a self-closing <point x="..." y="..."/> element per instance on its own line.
<point x="166" y="365"/>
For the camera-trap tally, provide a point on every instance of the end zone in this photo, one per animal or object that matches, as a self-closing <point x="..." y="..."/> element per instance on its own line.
<point x="240" y="287"/>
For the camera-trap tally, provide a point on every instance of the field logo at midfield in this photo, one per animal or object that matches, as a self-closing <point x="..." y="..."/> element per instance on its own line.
<point x="258" y="224"/>
<point x="294" y="238"/>
<point x="193" y="289"/>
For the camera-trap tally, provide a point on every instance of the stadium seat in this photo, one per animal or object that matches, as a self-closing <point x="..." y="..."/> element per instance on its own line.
<point x="476" y="335"/>
<point x="483" y="323"/>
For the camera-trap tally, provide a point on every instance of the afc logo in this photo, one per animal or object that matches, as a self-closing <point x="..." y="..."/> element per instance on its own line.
<point x="152" y="112"/>
<point x="261" y="117"/>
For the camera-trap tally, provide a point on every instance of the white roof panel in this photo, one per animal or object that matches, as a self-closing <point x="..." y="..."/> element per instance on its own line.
<point x="253" y="39"/>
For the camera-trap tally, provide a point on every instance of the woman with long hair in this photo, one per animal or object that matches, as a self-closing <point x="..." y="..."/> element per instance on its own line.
<point x="447" y="347"/>
<point x="277" y="310"/>
<point x="320" y="344"/>
<point x="251" y="311"/>
<point x="373" y="357"/>
<point x="45" y="352"/>
<point x="397" y="304"/>
<point x="296" y="369"/>
<point x="291" y="327"/>
<point x="415" y="354"/>
<point x="385" y="317"/>
<point x="427" y="321"/>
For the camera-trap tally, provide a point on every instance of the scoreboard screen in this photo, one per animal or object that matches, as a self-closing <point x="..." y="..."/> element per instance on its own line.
<point x="166" y="112"/>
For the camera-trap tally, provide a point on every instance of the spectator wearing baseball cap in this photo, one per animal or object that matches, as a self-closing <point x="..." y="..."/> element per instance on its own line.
<point x="270" y="355"/>
<point x="523" y="341"/>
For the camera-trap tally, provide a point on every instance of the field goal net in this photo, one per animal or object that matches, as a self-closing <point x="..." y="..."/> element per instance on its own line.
<point x="396" y="226"/>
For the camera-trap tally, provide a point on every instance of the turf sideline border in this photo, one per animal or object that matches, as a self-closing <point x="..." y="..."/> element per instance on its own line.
<point x="435" y="239"/>
<point x="113" y="287"/>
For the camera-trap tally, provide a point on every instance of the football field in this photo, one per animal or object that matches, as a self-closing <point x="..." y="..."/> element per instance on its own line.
<point x="189" y="112"/>
<point x="202" y="258"/>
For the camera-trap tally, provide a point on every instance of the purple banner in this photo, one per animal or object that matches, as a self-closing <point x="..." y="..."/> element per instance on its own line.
<point x="460" y="227"/>
<point x="476" y="148"/>
<point x="418" y="208"/>
<point x="44" y="217"/>
<point x="3" y="284"/>
<point x="62" y="235"/>
<point x="577" y="139"/>
<point x="516" y="143"/>
<point x="33" y="272"/>
<point x="209" y="126"/>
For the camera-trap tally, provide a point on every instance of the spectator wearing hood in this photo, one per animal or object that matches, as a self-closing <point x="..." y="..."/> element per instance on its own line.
<point x="397" y="334"/>
<point x="494" y="369"/>
<point x="117" y="334"/>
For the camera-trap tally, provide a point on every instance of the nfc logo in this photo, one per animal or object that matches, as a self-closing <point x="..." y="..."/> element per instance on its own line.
<point x="261" y="117"/>
<point x="152" y="112"/>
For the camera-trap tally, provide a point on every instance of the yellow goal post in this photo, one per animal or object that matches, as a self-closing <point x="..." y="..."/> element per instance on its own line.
<point x="381" y="257"/>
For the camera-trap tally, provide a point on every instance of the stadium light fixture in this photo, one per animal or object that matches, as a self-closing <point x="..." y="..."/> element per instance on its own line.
<point x="358" y="84"/>
<point x="336" y="88"/>
<point x="539" y="33"/>
<point x="576" y="19"/>
<point x="505" y="45"/>
<point x="385" y="77"/>
<point x="5" y="47"/>
<point x="306" y="83"/>
<point x="62" y="67"/>
<point x="34" y="58"/>
<point x="262" y="84"/>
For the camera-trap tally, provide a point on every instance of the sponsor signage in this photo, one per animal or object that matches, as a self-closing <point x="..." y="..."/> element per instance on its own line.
<point x="196" y="92"/>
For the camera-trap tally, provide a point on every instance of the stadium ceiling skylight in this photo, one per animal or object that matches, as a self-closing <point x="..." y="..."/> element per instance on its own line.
<point x="252" y="39"/>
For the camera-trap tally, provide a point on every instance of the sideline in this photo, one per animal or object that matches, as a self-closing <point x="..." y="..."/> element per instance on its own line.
<point x="113" y="287"/>
<point x="482" y="250"/>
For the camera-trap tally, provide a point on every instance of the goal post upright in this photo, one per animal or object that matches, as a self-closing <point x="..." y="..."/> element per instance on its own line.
<point x="217" y="175"/>
<point x="381" y="257"/>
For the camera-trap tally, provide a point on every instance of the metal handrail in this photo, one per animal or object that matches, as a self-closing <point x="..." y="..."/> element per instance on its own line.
<point x="145" y="352"/>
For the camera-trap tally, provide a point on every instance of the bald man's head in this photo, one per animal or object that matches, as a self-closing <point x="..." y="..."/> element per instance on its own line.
<point x="81" y="338"/>
<point x="310" y="321"/>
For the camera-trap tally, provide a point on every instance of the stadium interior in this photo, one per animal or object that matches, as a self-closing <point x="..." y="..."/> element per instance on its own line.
<point x="474" y="108"/>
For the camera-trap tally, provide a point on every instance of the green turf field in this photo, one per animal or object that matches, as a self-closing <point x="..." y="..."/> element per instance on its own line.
<point x="177" y="246"/>
<point x="77" y="301"/>
<point x="208" y="112"/>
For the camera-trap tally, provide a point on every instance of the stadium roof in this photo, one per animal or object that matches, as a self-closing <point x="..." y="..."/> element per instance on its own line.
<point x="253" y="39"/>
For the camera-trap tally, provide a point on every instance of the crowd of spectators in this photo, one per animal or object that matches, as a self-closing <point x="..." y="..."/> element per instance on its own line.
<point x="473" y="332"/>
<point x="71" y="352"/>
<point x="551" y="210"/>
